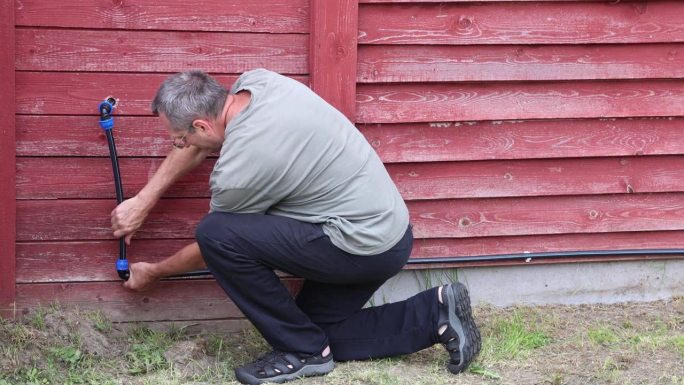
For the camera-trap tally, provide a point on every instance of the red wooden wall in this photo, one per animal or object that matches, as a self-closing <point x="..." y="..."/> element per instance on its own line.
<point x="509" y="127"/>
<point x="528" y="126"/>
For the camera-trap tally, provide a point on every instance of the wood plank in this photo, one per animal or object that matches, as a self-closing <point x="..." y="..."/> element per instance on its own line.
<point x="383" y="63"/>
<point x="50" y="135"/>
<point x="176" y="300"/>
<point x="92" y="178"/>
<point x="7" y="160"/>
<point x="85" y="261"/>
<point x="45" y="220"/>
<point x="463" y="218"/>
<point x="479" y="246"/>
<point x="47" y="135"/>
<point x="462" y="1"/>
<point x="43" y="178"/>
<point x="132" y="51"/>
<point x="273" y="16"/>
<point x="422" y="102"/>
<point x="489" y="179"/>
<point x="547" y="261"/>
<point x="44" y="262"/>
<point x="522" y="23"/>
<point x="332" y="52"/>
<point x="59" y="93"/>
<point x="167" y="301"/>
<point x="194" y="327"/>
<point x="40" y="220"/>
<point x="461" y="141"/>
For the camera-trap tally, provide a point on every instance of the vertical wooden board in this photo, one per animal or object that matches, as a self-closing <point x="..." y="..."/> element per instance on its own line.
<point x="332" y="54"/>
<point x="7" y="159"/>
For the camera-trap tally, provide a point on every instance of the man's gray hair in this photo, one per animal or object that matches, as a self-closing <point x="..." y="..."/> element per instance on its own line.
<point x="187" y="96"/>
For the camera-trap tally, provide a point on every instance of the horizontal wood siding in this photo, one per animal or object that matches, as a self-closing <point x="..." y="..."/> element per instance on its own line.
<point x="69" y="57"/>
<point x="518" y="127"/>
<point x="509" y="126"/>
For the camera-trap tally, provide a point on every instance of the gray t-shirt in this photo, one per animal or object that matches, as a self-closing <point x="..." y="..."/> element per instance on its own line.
<point x="290" y="153"/>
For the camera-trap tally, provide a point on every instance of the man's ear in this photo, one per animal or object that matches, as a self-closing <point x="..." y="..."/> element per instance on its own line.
<point x="201" y="124"/>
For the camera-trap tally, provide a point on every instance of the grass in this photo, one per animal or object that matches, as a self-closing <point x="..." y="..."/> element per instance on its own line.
<point x="613" y="349"/>
<point x="512" y="337"/>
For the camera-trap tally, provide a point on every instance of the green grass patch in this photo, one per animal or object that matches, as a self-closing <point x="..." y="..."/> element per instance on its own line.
<point x="512" y="337"/>
<point x="602" y="335"/>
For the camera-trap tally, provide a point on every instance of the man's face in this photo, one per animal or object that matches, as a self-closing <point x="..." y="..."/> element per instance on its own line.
<point x="203" y="136"/>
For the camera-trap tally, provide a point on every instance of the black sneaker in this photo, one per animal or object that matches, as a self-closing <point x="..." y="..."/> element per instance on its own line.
<point x="461" y="337"/>
<point x="279" y="367"/>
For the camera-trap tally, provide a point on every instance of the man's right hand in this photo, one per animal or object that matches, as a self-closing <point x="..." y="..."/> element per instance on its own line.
<point x="128" y="216"/>
<point x="142" y="277"/>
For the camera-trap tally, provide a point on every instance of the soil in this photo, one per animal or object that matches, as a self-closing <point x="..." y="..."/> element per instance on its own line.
<point x="644" y="345"/>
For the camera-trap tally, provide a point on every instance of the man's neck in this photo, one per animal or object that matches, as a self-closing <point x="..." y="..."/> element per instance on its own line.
<point x="235" y="103"/>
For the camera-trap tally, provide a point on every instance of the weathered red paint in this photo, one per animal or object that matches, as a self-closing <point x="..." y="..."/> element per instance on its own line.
<point x="510" y="62"/>
<point x="509" y="127"/>
<point x="7" y="159"/>
<point x="438" y="102"/>
<point x="538" y="22"/>
<point x="272" y="16"/>
<point x="43" y="178"/>
<point x="332" y="52"/>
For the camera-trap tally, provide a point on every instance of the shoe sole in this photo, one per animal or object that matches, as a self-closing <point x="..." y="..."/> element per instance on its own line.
<point x="461" y="320"/>
<point x="306" y="371"/>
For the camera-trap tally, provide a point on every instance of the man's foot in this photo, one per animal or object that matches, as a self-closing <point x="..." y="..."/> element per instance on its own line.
<point x="456" y="327"/>
<point x="281" y="367"/>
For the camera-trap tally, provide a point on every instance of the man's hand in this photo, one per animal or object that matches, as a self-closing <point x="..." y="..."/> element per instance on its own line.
<point x="128" y="217"/>
<point x="142" y="277"/>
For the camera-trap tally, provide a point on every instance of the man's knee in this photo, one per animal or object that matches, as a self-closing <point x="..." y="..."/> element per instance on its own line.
<point x="209" y="228"/>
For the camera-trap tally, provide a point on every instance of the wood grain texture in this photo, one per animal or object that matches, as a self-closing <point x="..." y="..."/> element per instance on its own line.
<point x="43" y="178"/>
<point x="463" y="1"/>
<point x="174" y="300"/>
<point x="522" y="23"/>
<point x="395" y="103"/>
<point x="55" y="135"/>
<point x="273" y="16"/>
<point x="88" y="261"/>
<point x="472" y="140"/>
<point x="396" y="63"/>
<point x="7" y="160"/>
<point x="539" y="178"/>
<point x="43" y="220"/>
<point x="69" y="93"/>
<point x="462" y="218"/>
<point x="52" y="262"/>
<point x="145" y="51"/>
<point x="40" y="220"/>
<point x="332" y="52"/>
<point x="467" y="247"/>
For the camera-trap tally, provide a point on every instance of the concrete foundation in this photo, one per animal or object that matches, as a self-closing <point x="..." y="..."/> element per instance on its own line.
<point x="577" y="283"/>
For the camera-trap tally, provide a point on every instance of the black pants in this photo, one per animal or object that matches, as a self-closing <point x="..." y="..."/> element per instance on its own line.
<point x="242" y="251"/>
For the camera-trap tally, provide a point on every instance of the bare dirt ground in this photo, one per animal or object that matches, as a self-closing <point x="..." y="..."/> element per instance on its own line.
<point x="634" y="343"/>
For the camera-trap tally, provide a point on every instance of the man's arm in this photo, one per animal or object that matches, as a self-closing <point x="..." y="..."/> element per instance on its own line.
<point x="131" y="213"/>
<point x="144" y="275"/>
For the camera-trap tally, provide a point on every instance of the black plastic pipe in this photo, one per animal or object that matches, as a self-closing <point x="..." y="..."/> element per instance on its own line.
<point x="107" y="124"/>
<point x="510" y="257"/>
